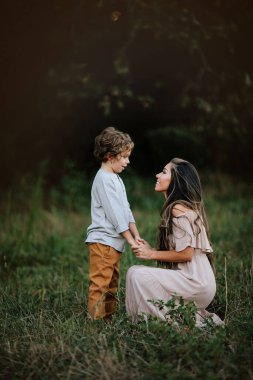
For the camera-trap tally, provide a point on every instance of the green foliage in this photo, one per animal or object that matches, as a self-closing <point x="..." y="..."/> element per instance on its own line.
<point x="185" y="66"/>
<point x="45" y="332"/>
<point x="177" y="312"/>
<point x="176" y="61"/>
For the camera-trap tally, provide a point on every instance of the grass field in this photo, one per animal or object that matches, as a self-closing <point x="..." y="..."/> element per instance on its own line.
<point x="44" y="278"/>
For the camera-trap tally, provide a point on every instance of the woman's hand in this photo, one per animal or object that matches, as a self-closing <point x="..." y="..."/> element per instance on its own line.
<point x="144" y="251"/>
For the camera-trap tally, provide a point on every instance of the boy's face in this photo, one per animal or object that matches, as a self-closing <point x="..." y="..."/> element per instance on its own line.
<point x="120" y="162"/>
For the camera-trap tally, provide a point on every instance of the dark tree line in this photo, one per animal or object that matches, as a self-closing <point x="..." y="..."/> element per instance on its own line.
<point x="177" y="75"/>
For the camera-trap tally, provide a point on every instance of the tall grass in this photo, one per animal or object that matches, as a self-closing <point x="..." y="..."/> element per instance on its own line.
<point x="45" y="333"/>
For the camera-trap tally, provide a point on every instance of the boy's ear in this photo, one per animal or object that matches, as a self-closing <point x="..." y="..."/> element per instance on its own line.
<point x="109" y="157"/>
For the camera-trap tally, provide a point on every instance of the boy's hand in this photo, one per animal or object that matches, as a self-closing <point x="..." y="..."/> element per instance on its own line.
<point x="146" y="244"/>
<point x="138" y="239"/>
<point x="134" y="245"/>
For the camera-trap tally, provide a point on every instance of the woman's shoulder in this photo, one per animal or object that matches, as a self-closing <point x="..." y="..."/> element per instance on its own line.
<point x="182" y="214"/>
<point x="179" y="210"/>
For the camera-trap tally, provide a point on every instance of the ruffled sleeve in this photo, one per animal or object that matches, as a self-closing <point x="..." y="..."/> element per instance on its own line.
<point x="189" y="231"/>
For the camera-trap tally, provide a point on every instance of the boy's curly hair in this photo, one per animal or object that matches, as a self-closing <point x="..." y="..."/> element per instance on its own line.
<point x="111" y="142"/>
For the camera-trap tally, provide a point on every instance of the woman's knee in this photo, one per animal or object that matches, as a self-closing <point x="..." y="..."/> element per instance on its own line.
<point x="135" y="272"/>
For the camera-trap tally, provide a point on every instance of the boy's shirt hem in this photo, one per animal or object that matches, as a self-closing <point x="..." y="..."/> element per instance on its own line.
<point x="111" y="242"/>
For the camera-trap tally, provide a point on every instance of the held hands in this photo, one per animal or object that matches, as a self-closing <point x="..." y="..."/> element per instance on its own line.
<point x="135" y="243"/>
<point x="140" y="247"/>
<point x="143" y="250"/>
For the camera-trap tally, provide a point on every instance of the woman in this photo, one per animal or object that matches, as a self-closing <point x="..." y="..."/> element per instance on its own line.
<point x="183" y="252"/>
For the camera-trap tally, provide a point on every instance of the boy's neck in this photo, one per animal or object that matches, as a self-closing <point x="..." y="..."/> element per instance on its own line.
<point x="107" y="167"/>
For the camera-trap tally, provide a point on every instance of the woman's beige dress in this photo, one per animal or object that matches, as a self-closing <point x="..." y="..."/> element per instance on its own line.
<point x="193" y="280"/>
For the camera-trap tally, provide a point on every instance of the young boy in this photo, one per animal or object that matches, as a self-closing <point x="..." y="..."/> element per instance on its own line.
<point x="112" y="221"/>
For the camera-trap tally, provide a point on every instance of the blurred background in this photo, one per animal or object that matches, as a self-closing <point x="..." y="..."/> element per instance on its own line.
<point x="176" y="75"/>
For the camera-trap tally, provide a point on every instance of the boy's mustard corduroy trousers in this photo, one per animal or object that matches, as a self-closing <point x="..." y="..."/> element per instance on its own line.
<point x="104" y="280"/>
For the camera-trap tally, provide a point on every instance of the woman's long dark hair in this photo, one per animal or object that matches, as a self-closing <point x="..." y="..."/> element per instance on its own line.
<point x="184" y="188"/>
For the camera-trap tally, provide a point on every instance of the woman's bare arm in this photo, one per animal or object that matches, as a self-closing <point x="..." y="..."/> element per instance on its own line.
<point x="147" y="253"/>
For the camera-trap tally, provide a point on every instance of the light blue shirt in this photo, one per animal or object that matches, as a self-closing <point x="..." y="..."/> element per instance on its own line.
<point x="110" y="211"/>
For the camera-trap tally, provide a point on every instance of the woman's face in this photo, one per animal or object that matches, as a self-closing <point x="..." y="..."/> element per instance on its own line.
<point x="163" y="179"/>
